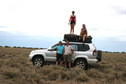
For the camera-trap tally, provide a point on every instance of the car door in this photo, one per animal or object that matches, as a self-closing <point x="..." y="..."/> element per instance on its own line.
<point x="83" y="49"/>
<point x="75" y="47"/>
<point x="50" y="54"/>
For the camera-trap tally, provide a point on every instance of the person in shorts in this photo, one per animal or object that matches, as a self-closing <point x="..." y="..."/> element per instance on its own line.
<point x="83" y="32"/>
<point x="72" y="22"/>
<point x="68" y="52"/>
<point x="59" y="53"/>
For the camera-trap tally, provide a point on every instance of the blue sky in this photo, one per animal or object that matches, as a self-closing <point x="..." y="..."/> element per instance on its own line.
<point x="41" y="23"/>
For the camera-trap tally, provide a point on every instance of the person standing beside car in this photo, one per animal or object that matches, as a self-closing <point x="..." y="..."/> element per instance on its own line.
<point x="59" y="54"/>
<point x="68" y="52"/>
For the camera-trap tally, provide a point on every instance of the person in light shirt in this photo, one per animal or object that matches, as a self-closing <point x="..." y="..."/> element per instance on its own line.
<point x="68" y="52"/>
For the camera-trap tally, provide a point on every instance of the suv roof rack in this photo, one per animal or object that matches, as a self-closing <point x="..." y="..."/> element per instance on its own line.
<point x="76" y="38"/>
<point x="77" y="41"/>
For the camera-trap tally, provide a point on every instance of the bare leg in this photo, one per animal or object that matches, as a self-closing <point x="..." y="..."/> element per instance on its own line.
<point x="69" y="65"/>
<point x="65" y="64"/>
<point x="72" y="31"/>
<point x="73" y="28"/>
<point x="70" y="28"/>
<point x="56" y="63"/>
<point x="61" y="63"/>
<point x="84" y="37"/>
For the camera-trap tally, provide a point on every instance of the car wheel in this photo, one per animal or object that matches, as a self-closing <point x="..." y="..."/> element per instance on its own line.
<point x="38" y="61"/>
<point x="99" y="55"/>
<point x="80" y="63"/>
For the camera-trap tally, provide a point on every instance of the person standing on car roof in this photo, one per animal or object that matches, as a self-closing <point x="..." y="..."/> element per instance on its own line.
<point x="68" y="52"/>
<point x="83" y="32"/>
<point x="72" y="22"/>
<point x="59" y="53"/>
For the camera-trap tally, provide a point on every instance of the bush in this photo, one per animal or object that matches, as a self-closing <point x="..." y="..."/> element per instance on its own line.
<point x="123" y="52"/>
<point x="15" y="47"/>
<point x="7" y="46"/>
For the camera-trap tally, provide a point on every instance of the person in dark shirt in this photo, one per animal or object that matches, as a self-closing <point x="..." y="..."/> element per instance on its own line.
<point x="83" y="32"/>
<point x="72" y="22"/>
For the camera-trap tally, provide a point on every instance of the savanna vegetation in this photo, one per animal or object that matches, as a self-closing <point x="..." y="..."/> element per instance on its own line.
<point x="15" y="68"/>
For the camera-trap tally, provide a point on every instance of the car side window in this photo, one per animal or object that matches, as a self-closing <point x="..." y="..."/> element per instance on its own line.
<point x="83" y="47"/>
<point x="55" y="46"/>
<point x="75" y="47"/>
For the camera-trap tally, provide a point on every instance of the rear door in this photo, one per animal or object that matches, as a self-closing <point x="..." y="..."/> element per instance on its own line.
<point x="86" y="50"/>
<point x="83" y="49"/>
<point x="75" y="47"/>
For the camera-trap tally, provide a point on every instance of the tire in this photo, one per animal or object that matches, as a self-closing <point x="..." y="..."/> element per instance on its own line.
<point x="81" y="63"/>
<point x="99" y="58"/>
<point x="38" y="61"/>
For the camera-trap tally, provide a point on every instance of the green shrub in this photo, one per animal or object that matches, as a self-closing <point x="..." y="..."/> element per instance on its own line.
<point x="7" y="46"/>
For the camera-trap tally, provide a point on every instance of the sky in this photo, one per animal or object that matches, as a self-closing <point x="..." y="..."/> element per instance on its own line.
<point x="41" y="23"/>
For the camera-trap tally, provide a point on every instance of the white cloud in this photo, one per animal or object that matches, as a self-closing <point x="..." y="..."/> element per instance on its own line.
<point x="50" y="17"/>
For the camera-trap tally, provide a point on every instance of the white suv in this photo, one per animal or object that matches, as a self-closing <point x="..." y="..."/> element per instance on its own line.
<point x="84" y="55"/>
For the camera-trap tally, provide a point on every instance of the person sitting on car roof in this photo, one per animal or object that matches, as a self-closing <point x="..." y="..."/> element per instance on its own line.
<point x="83" y="32"/>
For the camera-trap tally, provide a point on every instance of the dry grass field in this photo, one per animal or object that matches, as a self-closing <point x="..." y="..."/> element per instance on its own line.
<point x="15" y="68"/>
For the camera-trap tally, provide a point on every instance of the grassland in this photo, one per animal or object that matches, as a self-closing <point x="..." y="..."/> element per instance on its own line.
<point x="15" y="68"/>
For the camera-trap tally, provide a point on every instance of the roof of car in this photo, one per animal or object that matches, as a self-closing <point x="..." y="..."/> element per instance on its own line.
<point x="71" y="43"/>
